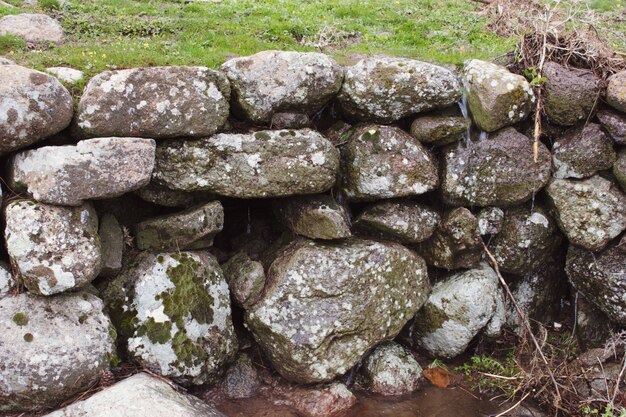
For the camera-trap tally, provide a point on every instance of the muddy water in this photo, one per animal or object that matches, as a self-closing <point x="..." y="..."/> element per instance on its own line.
<point x="427" y="402"/>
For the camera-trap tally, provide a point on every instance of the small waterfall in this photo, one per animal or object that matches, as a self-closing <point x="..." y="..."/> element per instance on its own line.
<point x="483" y="135"/>
<point x="465" y="113"/>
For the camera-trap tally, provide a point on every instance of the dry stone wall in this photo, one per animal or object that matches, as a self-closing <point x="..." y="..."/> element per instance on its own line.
<point x="179" y="215"/>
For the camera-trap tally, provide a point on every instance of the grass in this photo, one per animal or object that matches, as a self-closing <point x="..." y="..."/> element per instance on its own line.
<point x="10" y="43"/>
<point x="108" y="34"/>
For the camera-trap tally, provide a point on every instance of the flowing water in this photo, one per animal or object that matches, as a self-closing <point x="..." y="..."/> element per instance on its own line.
<point x="465" y="113"/>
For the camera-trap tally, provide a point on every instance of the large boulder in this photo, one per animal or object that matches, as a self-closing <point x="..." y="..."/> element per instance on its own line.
<point x="139" y="395"/>
<point x="496" y="97"/>
<point x="456" y="242"/>
<point x="314" y="216"/>
<point x="33" y="28"/>
<point x="438" y="130"/>
<point x="404" y="221"/>
<point x="156" y="102"/>
<point x="270" y="82"/>
<point x="173" y="311"/>
<point x="51" y="348"/>
<point x="526" y="241"/>
<point x="499" y="170"/>
<point x="386" y="89"/>
<point x="391" y="369"/>
<point x="590" y="212"/>
<point x="614" y="123"/>
<point x="326" y="304"/>
<point x="33" y="106"/>
<point x="54" y="248"/>
<point x="385" y="162"/>
<point x="457" y="309"/>
<point x="616" y="91"/>
<point x="193" y="228"/>
<point x="92" y="169"/>
<point x="581" y="152"/>
<point x="569" y="94"/>
<point x="255" y="165"/>
<point x="600" y="278"/>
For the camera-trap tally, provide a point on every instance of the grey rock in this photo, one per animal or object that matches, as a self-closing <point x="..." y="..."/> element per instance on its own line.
<point x="7" y="282"/>
<point x="172" y="310"/>
<point x="569" y="94"/>
<point x="33" y="28"/>
<point x="51" y="348"/>
<point x="614" y="123"/>
<point x="257" y="165"/>
<point x="404" y="221"/>
<point x="499" y="170"/>
<point x="241" y="379"/>
<point x="156" y="102"/>
<point x="92" y="169"/>
<point x="496" y="97"/>
<point x="619" y="168"/>
<point x="581" y="152"/>
<point x="439" y="130"/>
<point x="593" y="327"/>
<point x="193" y="228"/>
<point x="139" y="395"/>
<point x="54" y="248"/>
<point x="112" y="243"/>
<point x="490" y="220"/>
<point x="391" y="370"/>
<point x="590" y="212"/>
<point x="163" y="196"/>
<point x="5" y="61"/>
<point x="456" y="242"/>
<point x="33" y="106"/>
<point x="600" y="278"/>
<point x="616" y="91"/>
<point x="457" y="309"/>
<point x="245" y="277"/>
<point x="386" y="89"/>
<point x="527" y="240"/>
<point x="314" y="216"/>
<point x="385" y="162"/>
<point x="290" y="121"/>
<point x="324" y="400"/>
<point x="66" y="75"/>
<point x="326" y="304"/>
<point x="271" y="82"/>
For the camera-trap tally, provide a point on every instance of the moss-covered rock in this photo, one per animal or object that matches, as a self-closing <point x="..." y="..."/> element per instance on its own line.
<point x="600" y="278"/>
<point x="495" y="97"/>
<point x="193" y="228"/>
<point x="51" y="348"/>
<point x="616" y="91"/>
<point x="386" y="162"/>
<point x="386" y="89"/>
<point x="582" y="151"/>
<point x="570" y="94"/>
<point x="527" y="241"/>
<point x="391" y="370"/>
<point x="438" y="129"/>
<point x="404" y="221"/>
<point x="271" y="163"/>
<point x="499" y="170"/>
<point x="590" y="212"/>
<point x="173" y="311"/>
<point x="457" y="309"/>
<point x="456" y="242"/>
<point x="313" y="216"/>
<point x="326" y="303"/>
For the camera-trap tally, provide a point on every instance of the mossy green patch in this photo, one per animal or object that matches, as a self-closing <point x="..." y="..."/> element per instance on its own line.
<point x="28" y="337"/>
<point x="262" y="136"/>
<point x="21" y="319"/>
<point x="157" y="332"/>
<point x="188" y="352"/>
<point x="429" y="319"/>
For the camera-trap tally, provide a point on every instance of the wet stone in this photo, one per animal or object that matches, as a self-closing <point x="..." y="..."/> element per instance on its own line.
<point x="385" y="162"/>
<point x="313" y="216"/>
<point x="54" y="248"/>
<point x="404" y="221"/>
<point x="581" y="152"/>
<point x="193" y="228"/>
<point x="439" y="130"/>
<point x="391" y="370"/>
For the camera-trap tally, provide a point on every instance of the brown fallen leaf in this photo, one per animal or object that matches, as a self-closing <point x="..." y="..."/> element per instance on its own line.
<point x="437" y="376"/>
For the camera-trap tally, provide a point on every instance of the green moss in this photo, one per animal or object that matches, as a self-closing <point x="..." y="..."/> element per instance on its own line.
<point x="21" y="319"/>
<point x="262" y="136"/>
<point x="28" y="337"/>
<point x="157" y="332"/>
<point x="429" y="319"/>
<point x="188" y="352"/>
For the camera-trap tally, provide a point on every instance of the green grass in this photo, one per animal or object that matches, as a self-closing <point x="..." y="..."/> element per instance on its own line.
<point x="11" y="43"/>
<point x="108" y="34"/>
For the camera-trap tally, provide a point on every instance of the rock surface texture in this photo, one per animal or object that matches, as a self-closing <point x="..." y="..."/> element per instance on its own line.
<point x="616" y="91"/>
<point x="157" y="102"/>
<point x="314" y="216"/>
<point x="391" y="370"/>
<point x="581" y="152"/>
<point x="55" y="347"/>
<point x="33" y="28"/>
<point x="319" y="294"/>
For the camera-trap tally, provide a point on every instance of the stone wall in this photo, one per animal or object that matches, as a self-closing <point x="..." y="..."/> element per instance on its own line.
<point x="179" y="215"/>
